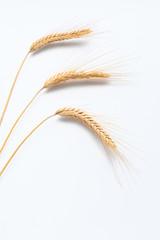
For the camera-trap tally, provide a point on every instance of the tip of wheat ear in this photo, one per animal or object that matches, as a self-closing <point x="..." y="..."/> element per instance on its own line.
<point x="89" y="121"/>
<point x="59" y="37"/>
<point x="75" y="75"/>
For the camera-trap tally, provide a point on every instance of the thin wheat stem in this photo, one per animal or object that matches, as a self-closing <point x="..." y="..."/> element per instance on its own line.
<point x="8" y="99"/>
<point x="24" y="141"/>
<point x="19" y="119"/>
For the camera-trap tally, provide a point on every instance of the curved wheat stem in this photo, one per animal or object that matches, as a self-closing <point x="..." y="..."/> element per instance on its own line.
<point x="41" y="43"/>
<point x="23" y="142"/>
<point x="19" y="119"/>
<point x="10" y="93"/>
<point x="59" y="79"/>
<point x="82" y="116"/>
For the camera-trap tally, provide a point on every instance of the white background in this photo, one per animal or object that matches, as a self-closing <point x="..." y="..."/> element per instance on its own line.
<point x="59" y="185"/>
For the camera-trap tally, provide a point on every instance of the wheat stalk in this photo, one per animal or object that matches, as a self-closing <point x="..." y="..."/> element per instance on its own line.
<point x="59" y="79"/>
<point x="24" y="141"/>
<point x="83" y="117"/>
<point x="11" y="90"/>
<point x="41" y="43"/>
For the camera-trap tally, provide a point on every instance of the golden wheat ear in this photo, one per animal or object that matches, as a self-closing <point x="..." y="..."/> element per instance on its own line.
<point x="110" y="144"/>
<point x="59" y="37"/>
<point x="72" y="73"/>
<point x="42" y="43"/>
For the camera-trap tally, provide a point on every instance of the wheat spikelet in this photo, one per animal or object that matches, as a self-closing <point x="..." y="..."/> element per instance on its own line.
<point x="90" y="122"/>
<point x="75" y="75"/>
<point x="59" y="37"/>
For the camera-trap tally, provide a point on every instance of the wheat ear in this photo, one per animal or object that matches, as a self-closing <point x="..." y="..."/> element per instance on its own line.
<point x="59" y="79"/>
<point x="41" y="43"/>
<point x="75" y="75"/>
<point x="59" y="37"/>
<point x="110" y="144"/>
<point x="80" y="115"/>
<point x="89" y="121"/>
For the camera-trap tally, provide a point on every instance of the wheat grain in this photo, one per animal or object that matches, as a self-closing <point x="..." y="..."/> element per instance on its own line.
<point x="58" y="37"/>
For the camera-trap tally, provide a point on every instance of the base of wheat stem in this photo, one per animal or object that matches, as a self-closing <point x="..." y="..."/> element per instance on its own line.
<point x="19" y="119"/>
<point x="8" y="99"/>
<point x="24" y="141"/>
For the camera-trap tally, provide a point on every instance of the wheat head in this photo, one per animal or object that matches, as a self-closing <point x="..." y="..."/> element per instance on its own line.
<point x="59" y="37"/>
<point x="88" y="120"/>
<point x="75" y="75"/>
<point x="112" y="145"/>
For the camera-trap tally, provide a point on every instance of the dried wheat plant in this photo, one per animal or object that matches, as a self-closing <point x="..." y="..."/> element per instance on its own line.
<point x="59" y="37"/>
<point x="44" y="41"/>
<point x="83" y="72"/>
<point x="110" y="143"/>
